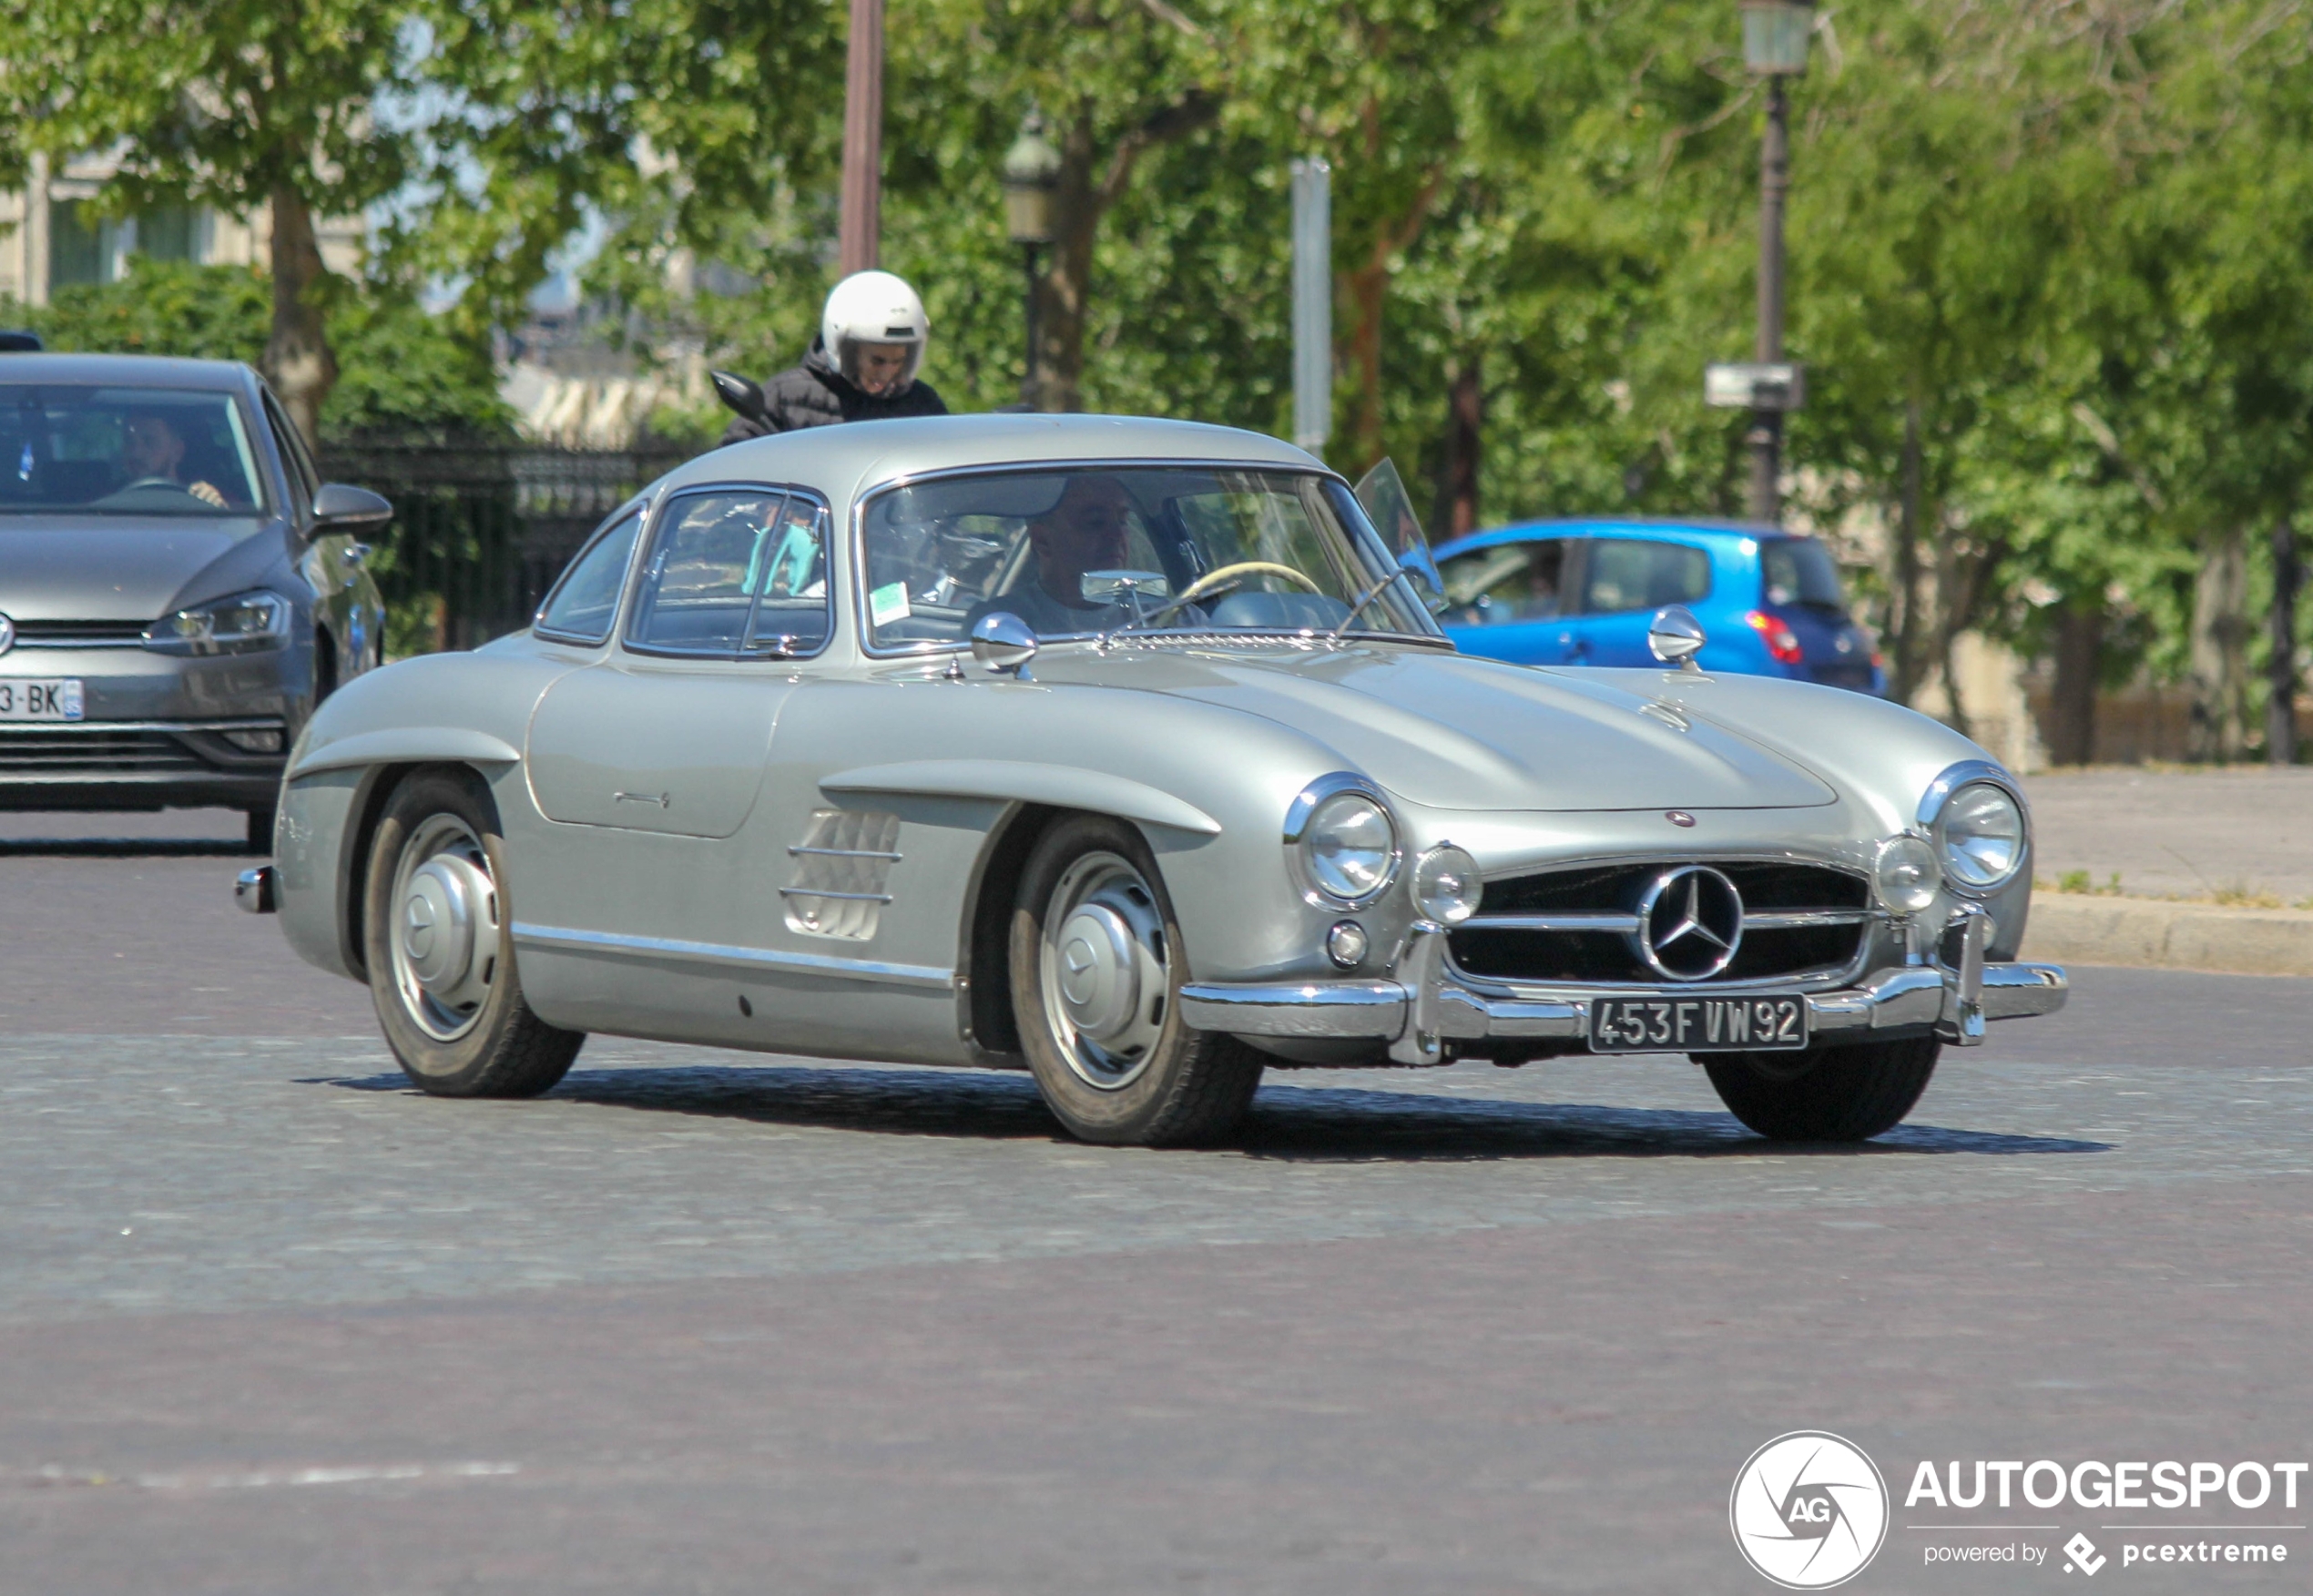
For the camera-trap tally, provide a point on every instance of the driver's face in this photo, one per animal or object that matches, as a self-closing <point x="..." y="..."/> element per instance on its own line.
<point x="880" y="365"/>
<point x="1083" y="531"/>
<point x="151" y="448"/>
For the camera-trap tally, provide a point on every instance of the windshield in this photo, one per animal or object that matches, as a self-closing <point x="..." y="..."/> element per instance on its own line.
<point x="125" y="451"/>
<point x="1136" y="548"/>
<point x="1798" y="571"/>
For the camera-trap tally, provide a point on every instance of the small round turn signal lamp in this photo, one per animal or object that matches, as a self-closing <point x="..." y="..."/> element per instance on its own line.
<point x="1345" y="944"/>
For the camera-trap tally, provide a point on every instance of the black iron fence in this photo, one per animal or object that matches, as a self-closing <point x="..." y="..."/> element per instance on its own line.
<point x="482" y="527"/>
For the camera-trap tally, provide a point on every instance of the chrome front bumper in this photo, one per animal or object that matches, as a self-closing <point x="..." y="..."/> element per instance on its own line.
<point x="1426" y="1006"/>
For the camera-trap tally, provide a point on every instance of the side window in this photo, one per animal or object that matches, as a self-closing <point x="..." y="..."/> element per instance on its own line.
<point x="1506" y="583"/>
<point x="297" y="465"/>
<point x="1634" y="574"/>
<point x="580" y="607"/>
<point x="733" y="572"/>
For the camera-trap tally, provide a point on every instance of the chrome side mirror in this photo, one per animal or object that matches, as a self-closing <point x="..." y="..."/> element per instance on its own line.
<point x="1675" y="636"/>
<point x="1004" y="642"/>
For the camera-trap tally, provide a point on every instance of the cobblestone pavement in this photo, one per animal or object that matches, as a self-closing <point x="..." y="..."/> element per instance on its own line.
<point x="2179" y="833"/>
<point x="700" y="1321"/>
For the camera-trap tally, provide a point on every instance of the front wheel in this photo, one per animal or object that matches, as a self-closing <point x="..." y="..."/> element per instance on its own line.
<point x="1096" y="968"/>
<point x="440" y="949"/>
<point x="1826" y="1094"/>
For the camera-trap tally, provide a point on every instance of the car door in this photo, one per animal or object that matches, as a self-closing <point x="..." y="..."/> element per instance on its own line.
<point x="651" y="759"/>
<point x="1506" y="601"/>
<point x="332" y="561"/>
<point x="1624" y="581"/>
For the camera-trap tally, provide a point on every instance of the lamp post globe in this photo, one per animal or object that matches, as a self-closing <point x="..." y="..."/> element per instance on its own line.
<point x="1776" y="35"/>
<point x="1031" y="184"/>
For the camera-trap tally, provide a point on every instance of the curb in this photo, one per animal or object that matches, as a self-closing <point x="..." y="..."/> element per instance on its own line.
<point x="2156" y="934"/>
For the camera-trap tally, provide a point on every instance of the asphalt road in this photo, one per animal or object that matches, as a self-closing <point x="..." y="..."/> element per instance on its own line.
<point x="699" y="1321"/>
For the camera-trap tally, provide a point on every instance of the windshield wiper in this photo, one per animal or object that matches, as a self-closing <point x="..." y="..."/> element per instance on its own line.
<point x="1357" y="606"/>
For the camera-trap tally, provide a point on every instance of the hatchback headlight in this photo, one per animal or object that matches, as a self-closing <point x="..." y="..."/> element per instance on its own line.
<point x="1979" y="836"/>
<point x="1346" y="841"/>
<point x="239" y="624"/>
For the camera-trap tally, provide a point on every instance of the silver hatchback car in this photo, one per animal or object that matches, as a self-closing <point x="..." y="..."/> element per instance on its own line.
<point x="178" y="589"/>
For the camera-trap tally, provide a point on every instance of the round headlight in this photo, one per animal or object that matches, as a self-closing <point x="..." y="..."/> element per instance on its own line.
<point x="1349" y="847"/>
<point x="1905" y="874"/>
<point x="1981" y="835"/>
<point x="1446" y="888"/>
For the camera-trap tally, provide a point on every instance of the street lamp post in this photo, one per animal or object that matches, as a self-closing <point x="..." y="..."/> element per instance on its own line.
<point x="1774" y="41"/>
<point x="1031" y="176"/>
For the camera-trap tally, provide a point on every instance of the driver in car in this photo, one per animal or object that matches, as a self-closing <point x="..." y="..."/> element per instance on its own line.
<point x="154" y="453"/>
<point x="1083" y="531"/>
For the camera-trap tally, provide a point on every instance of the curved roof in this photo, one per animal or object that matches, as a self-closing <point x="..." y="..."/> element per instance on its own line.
<point x="843" y="460"/>
<point x="144" y="370"/>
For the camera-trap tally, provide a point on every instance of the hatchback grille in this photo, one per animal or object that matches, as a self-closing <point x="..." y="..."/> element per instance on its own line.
<point x="56" y="753"/>
<point x="80" y="634"/>
<point x="1604" y="954"/>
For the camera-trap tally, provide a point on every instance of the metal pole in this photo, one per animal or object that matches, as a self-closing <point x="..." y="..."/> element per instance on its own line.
<point x="1030" y="388"/>
<point x="2280" y="704"/>
<point x="859" y="241"/>
<point x="1766" y="436"/>
<point x="1312" y="304"/>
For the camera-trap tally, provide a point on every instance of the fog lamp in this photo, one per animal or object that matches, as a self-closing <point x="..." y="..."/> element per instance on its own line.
<point x="1905" y="874"/>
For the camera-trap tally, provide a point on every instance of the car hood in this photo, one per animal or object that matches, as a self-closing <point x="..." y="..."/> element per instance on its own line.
<point x="107" y="567"/>
<point x="1453" y="733"/>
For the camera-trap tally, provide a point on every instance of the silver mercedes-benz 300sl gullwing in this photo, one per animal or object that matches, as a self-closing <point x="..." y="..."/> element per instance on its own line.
<point x="1127" y="752"/>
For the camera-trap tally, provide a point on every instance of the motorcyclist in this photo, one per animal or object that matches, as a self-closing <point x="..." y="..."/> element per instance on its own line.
<point x="861" y="366"/>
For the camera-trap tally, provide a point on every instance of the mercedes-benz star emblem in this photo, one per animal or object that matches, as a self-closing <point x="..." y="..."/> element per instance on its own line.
<point x="7" y="633"/>
<point x="1690" y="922"/>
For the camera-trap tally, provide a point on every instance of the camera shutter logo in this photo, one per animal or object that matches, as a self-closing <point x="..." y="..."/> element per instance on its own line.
<point x="1809" y="1510"/>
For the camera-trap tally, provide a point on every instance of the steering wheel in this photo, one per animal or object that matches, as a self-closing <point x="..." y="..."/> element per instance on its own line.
<point x="1214" y="578"/>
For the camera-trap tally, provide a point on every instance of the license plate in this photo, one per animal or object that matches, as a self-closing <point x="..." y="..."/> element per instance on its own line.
<point x="23" y="698"/>
<point x="1760" y="1022"/>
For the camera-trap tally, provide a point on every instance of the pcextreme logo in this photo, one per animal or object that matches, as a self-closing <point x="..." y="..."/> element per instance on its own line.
<point x="1809" y="1510"/>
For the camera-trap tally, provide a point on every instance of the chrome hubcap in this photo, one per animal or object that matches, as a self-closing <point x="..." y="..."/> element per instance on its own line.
<point x="1105" y="975"/>
<point x="444" y="928"/>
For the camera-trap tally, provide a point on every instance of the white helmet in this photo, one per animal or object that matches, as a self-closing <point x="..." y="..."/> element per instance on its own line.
<point x="874" y="307"/>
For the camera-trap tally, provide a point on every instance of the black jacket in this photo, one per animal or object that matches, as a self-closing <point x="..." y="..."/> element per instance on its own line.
<point x="815" y="394"/>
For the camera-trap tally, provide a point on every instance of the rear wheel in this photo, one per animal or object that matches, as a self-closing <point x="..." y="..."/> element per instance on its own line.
<point x="1097" y="968"/>
<point x="440" y="950"/>
<point x="1826" y="1093"/>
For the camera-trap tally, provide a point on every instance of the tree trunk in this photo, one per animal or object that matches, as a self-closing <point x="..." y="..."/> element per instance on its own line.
<point x="2221" y="648"/>
<point x="297" y="360"/>
<point x="1457" y="514"/>
<point x="2280" y="699"/>
<point x="1063" y="289"/>
<point x="1368" y="288"/>
<point x="2079" y="647"/>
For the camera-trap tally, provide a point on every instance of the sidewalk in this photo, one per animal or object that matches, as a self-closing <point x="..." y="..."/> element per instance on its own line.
<point x="2238" y="839"/>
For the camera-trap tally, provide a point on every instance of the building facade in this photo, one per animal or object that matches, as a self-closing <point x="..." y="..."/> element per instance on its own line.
<point x="48" y="240"/>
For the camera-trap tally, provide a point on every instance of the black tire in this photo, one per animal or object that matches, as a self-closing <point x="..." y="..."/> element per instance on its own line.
<point x="1150" y="1080"/>
<point x="260" y="830"/>
<point x="470" y="1032"/>
<point x="1826" y="1093"/>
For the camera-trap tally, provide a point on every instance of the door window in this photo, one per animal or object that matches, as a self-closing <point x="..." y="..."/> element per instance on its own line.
<point x="735" y="572"/>
<point x="296" y="464"/>
<point x="1640" y="573"/>
<point x="1506" y="583"/>
<point x="580" y="608"/>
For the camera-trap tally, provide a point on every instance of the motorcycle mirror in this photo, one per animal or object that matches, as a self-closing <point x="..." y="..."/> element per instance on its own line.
<point x="740" y="394"/>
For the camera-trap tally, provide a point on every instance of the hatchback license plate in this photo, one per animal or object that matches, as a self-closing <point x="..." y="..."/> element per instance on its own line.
<point x="1774" y="1022"/>
<point x="23" y="698"/>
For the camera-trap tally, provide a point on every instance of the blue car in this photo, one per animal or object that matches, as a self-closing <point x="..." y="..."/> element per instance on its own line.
<point x="1582" y="593"/>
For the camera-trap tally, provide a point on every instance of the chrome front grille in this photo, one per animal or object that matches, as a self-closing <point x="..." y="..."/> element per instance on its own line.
<point x="1580" y="926"/>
